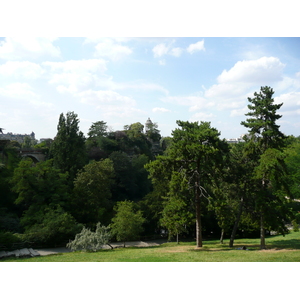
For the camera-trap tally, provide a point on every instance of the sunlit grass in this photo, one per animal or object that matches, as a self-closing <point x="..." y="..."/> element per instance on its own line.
<point x="279" y="249"/>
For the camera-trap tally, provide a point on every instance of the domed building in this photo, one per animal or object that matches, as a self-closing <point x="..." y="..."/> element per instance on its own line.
<point x="148" y="125"/>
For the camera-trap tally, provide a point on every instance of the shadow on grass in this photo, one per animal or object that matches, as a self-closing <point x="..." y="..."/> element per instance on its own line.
<point x="285" y="244"/>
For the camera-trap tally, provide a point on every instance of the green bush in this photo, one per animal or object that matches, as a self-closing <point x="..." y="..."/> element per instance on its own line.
<point x="8" y="239"/>
<point x="295" y="225"/>
<point x="56" y="228"/>
<point x="90" y="241"/>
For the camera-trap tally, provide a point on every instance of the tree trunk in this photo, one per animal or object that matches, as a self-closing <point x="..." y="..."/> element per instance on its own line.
<point x="198" y="226"/>
<point x="222" y="236"/>
<point x="177" y="239"/>
<point x="236" y="223"/>
<point x="262" y="233"/>
<point x="198" y="208"/>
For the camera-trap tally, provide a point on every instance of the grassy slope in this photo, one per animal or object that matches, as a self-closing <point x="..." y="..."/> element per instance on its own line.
<point x="280" y="249"/>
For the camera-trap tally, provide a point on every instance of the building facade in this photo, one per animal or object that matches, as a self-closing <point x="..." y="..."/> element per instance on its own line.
<point x="20" y="138"/>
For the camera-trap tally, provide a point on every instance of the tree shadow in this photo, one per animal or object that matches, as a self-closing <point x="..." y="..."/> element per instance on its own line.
<point x="285" y="244"/>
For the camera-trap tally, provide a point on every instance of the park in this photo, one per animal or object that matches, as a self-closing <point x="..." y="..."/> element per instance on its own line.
<point x="279" y="249"/>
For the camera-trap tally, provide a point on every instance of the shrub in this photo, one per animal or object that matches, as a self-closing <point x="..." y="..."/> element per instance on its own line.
<point x="295" y="225"/>
<point x="7" y="239"/>
<point x="90" y="241"/>
<point x="56" y="228"/>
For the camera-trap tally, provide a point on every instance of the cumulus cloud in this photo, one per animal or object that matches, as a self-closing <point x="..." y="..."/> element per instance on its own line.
<point x="160" y="50"/>
<point x="264" y="69"/>
<point x="164" y="49"/>
<point x="27" y="47"/>
<point x="237" y="84"/>
<point x="23" y="69"/>
<point x="114" y="51"/>
<point x="289" y="100"/>
<point x="199" y="46"/>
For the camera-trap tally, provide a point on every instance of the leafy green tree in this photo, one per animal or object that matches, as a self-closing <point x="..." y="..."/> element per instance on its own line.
<point x="92" y="192"/>
<point x="292" y="162"/>
<point x="98" y="130"/>
<point x="153" y="132"/>
<point x="124" y="186"/>
<point x="176" y="215"/>
<point x="54" y="227"/>
<point x="27" y="142"/>
<point x="265" y="146"/>
<point x="68" y="148"/>
<point x="38" y="186"/>
<point x="198" y="150"/>
<point x="126" y="224"/>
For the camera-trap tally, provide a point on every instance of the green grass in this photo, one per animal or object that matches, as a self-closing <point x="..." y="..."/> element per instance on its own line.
<point x="279" y="249"/>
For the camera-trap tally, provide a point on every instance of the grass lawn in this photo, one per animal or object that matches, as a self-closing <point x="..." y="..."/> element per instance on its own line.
<point x="279" y="249"/>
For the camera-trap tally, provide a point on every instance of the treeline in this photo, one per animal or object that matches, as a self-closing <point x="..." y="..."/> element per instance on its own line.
<point x="192" y="184"/>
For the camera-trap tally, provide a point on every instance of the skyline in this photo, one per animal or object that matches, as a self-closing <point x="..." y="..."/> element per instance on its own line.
<point x="125" y="80"/>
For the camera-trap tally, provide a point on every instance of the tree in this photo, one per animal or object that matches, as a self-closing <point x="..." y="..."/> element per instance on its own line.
<point x="126" y="224"/>
<point x="37" y="187"/>
<point x="124" y="186"/>
<point x="68" y="148"/>
<point x="98" y="130"/>
<point x="92" y="192"/>
<point x="176" y="215"/>
<point x="265" y="146"/>
<point x="197" y="151"/>
<point x="152" y="132"/>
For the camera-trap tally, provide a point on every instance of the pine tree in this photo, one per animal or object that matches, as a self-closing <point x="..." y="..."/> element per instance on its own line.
<point x="265" y="146"/>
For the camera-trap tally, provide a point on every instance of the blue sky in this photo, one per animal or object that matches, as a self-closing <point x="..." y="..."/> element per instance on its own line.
<point x="126" y="80"/>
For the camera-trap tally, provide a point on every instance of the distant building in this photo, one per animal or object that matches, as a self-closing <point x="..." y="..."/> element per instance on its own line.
<point x="148" y="125"/>
<point x="20" y="138"/>
<point x="236" y="140"/>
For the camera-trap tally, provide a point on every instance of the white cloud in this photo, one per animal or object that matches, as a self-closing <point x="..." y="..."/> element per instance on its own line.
<point x="262" y="70"/>
<point x="239" y="112"/>
<point x="160" y="50"/>
<point x="111" y="104"/>
<point x="27" y="47"/>
<point x="289" y="100"/>
<point x="18" y="91"/>
<point x="108" y="48"/>
<point x="176" y="51"/>
<point x="225" y="91"/>
<point x="72" y="76"/>
<point x="98" y="98"/>
<point x="163" y="49"/>
<point x="199" y="46"/>
<point x="24" y="69"/>
<point x="160" y="109"/>
<point x="202" y="117"/>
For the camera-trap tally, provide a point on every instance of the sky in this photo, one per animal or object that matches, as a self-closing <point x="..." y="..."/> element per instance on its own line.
<point x="126" y="80"/>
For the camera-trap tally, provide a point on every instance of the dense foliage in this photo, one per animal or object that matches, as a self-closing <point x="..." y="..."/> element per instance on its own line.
<point x="191" y="184"/>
